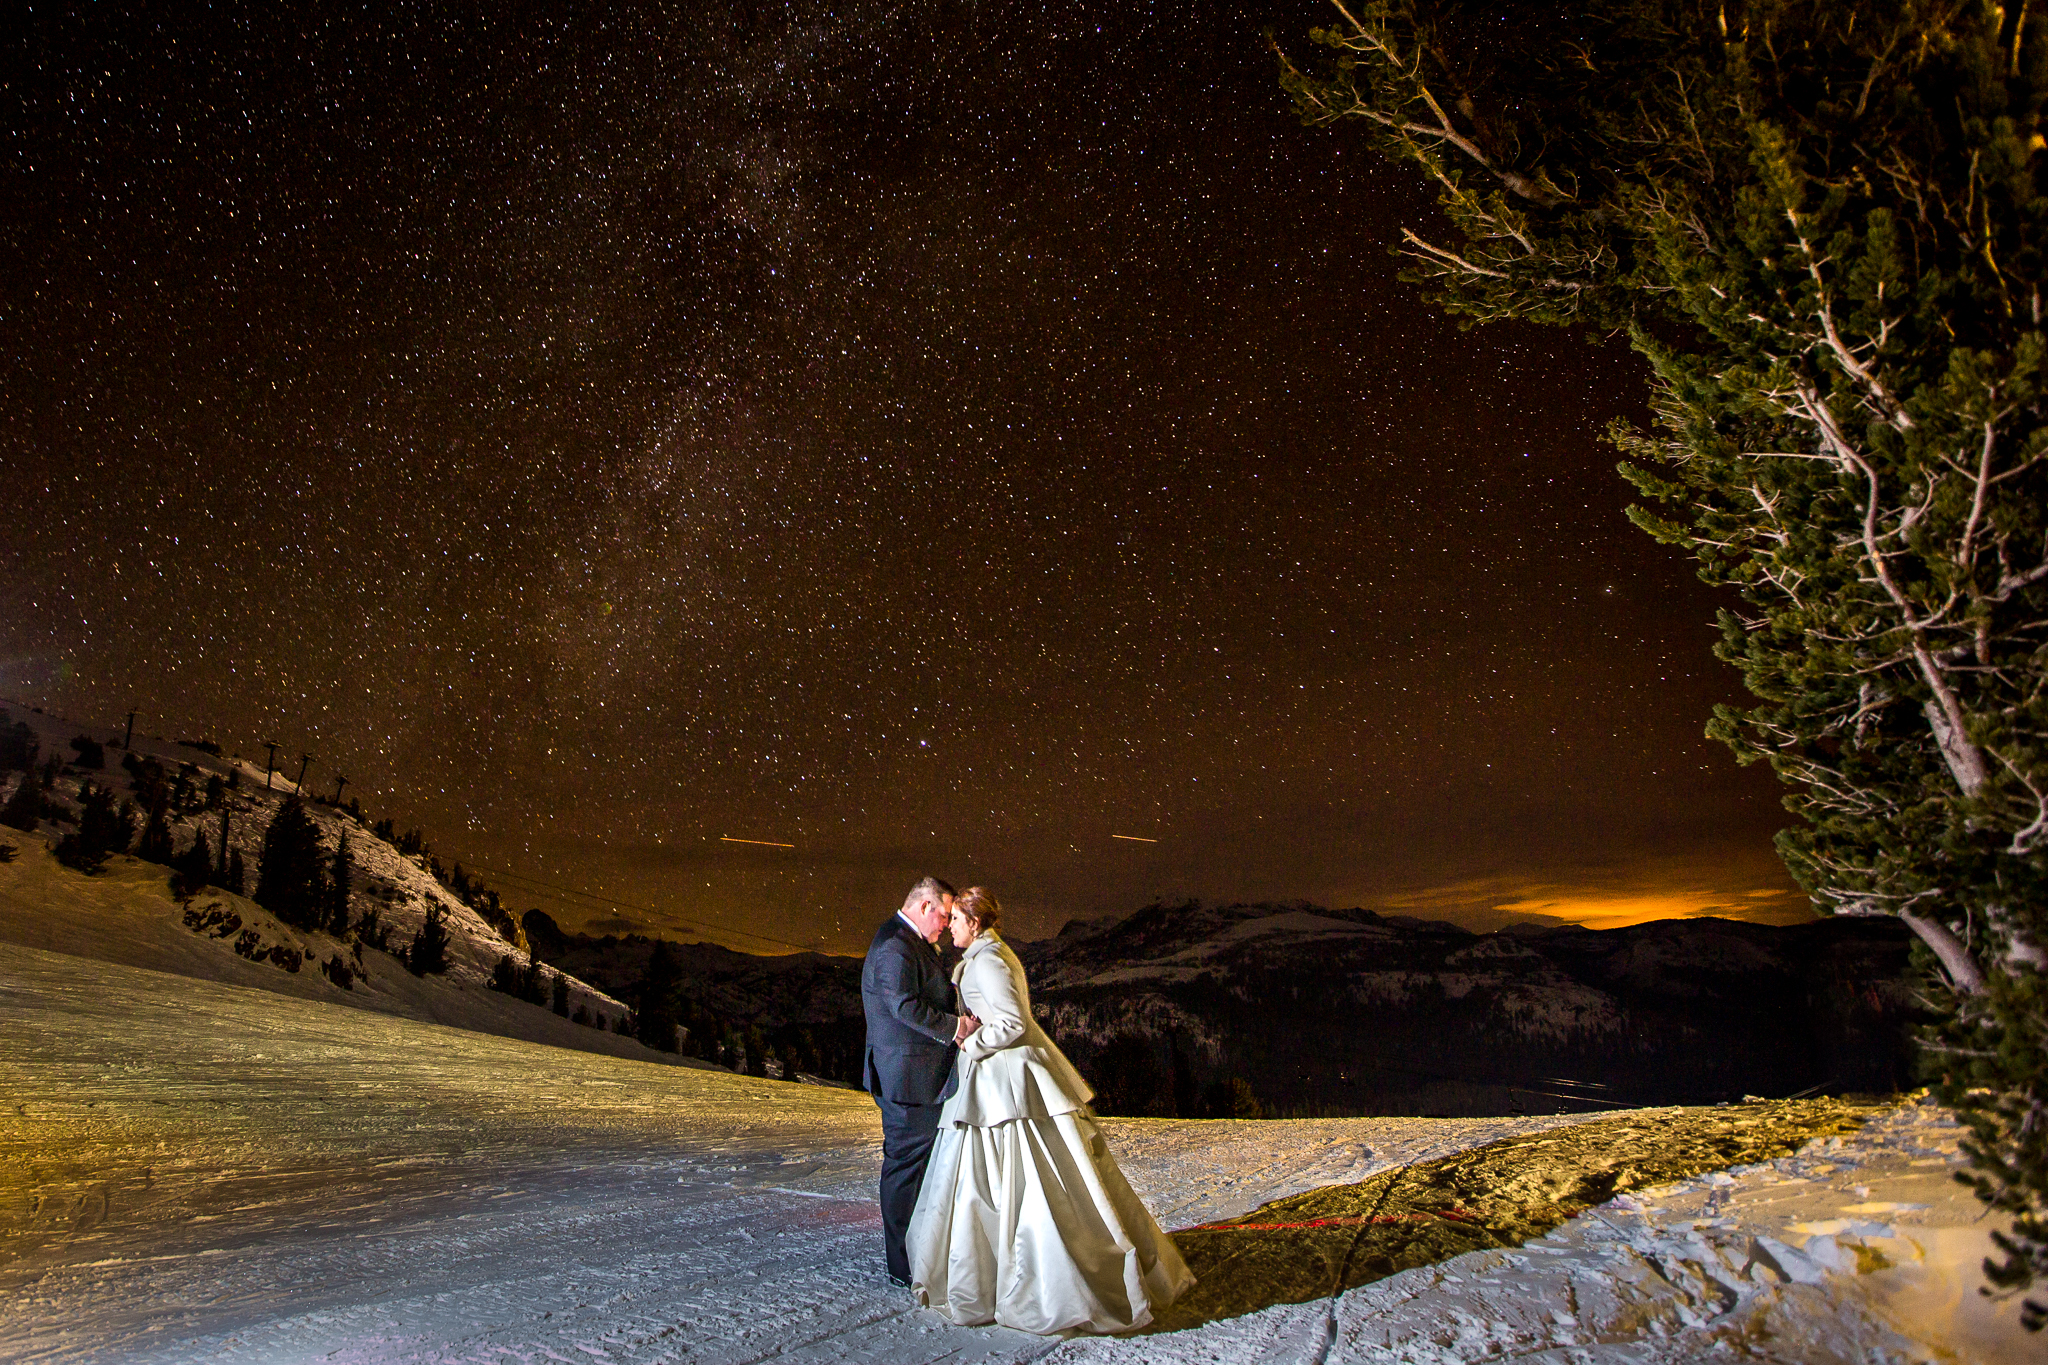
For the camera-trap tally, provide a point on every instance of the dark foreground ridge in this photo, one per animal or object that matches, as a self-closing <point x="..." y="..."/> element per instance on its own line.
<point x="1318" y="1244"/>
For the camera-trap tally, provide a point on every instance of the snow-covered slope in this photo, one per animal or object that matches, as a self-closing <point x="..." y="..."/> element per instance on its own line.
<point x="126" y="913"/>
<point x="194" y="1171"/>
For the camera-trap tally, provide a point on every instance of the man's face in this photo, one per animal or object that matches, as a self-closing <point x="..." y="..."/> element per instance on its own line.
<point x="931" y="916"/>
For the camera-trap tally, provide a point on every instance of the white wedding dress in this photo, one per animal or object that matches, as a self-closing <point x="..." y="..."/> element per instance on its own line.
<point x="1024" y="1219"/>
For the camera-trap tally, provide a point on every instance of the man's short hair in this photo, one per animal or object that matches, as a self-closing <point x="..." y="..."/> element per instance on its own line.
<point x="927" y="888"/>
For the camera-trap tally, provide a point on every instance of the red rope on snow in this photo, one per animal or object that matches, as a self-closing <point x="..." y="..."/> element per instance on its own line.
<point x="1454" y="1215"/>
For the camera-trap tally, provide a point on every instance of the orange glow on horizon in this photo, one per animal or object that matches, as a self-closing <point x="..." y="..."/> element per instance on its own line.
<point x="1619" y="909"/>
<point x="1612" y="898"/>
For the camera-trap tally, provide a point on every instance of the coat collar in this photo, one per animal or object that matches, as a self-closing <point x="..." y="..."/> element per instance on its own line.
<point x="909" y="931"/>
<point x="985" y="941"/>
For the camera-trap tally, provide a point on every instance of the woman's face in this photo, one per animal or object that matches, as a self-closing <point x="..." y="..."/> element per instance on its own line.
<point x="963" y="928"/>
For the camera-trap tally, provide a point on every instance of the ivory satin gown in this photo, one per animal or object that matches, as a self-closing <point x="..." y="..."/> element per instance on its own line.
<point x="1024" y="1218"/>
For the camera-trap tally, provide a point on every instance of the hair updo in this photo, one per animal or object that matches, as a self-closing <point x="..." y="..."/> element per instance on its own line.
<point x="978" y="903"/>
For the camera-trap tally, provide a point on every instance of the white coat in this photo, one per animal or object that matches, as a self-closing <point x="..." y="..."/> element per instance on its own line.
<point x="1009" y="1069"/>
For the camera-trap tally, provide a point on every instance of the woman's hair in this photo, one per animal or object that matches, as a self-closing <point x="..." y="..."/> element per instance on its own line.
<point x="978" y="903"/>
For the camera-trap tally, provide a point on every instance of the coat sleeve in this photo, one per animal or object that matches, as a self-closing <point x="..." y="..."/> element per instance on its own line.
<point x="896" y="978"/>
<point x="1001" y="1009"/>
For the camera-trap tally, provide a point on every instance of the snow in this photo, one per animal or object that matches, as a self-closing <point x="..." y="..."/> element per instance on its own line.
<point x="198" y="1170"/>
<point x="126" y="915"/>
<point x="1196" y="960"/>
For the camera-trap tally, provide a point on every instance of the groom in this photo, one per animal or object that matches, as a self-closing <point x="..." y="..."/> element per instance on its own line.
<point x="912" y="1036"/>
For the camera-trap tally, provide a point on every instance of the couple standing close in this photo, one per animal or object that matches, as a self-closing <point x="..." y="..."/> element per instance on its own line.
<point x="1000" y="1201"/>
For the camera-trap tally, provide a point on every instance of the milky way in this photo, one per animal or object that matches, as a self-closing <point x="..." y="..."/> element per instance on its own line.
<point x="938" y="437"/>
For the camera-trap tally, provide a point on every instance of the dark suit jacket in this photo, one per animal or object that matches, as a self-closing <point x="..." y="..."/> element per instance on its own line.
<point x="908" y="997"/>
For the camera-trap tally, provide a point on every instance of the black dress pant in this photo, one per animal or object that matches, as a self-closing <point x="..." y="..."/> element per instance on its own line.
<point x="908" y="1131"/>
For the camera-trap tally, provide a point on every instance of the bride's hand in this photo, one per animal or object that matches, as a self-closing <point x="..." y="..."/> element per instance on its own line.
<point x="968" y="1024"/>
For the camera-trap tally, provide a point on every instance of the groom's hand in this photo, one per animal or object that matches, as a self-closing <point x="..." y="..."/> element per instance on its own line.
<point x="968" y="1024"/>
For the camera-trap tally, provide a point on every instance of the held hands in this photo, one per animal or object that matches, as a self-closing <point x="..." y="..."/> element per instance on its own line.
<point x="968" y="1024"/>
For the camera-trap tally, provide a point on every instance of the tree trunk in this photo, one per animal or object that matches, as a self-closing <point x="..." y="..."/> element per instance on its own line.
<point x="1965" y="760"/>
<point x="1963" y="972"/>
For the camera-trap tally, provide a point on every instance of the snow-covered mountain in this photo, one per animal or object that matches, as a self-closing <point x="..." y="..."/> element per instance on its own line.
<point x="127" y="913"/>
<point x="1180" y="1008"/>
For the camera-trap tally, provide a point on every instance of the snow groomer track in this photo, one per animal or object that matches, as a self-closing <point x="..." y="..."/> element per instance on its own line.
<point x="192" y="1171"/>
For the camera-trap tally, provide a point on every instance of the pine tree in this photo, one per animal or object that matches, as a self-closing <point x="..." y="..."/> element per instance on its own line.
<point x="428" y="955"/>
<point x="24" y="808"/>
<point x="101" y="831"/>
<point x="561" y="994"/>
<point x="237" y="878"/>
<point x="340" y="880"/>
<point x="655" y="996"/>
<point x="192" y="870"/>
<point x="19" y="746"/>
<point x="155" y="845"/>
<point x="288" y="872"/>
<point x="1824" y="225"/>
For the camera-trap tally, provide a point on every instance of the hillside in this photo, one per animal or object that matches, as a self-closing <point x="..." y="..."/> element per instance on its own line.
<point x="1347" y="1011"/>
<point x="127" y="913"/>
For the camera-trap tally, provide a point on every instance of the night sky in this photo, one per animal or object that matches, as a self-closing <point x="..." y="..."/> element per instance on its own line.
<point x="940" y="437"/>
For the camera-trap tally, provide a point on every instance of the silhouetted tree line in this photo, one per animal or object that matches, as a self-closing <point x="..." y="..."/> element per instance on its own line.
<point x="1129" y="1080"/>
<point x="103" y="829"/>
<point x="537" y="984"/>
<point x="27" y="804"/>
<point x="464" y="885"/>
<point x="307" y="887"/>
<point x="668" y="1019"/>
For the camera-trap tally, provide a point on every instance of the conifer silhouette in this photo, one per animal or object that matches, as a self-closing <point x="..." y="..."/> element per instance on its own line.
<point x="193" y="869"/>
<point x="429" y="952"/>
<point x="156" y="846"/>
<point x="24" y="809"/>
<point x="101" y="830"/>
<point x="288" y="874"/>
<point x="340" y="881"/>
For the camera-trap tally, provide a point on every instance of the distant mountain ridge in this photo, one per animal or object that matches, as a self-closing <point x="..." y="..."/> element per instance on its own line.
<point x="1190" y="1010"/>
<point x="1317" y="1010"/>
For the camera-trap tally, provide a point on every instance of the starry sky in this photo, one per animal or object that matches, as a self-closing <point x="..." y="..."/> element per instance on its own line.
<point x="937" y="436"/>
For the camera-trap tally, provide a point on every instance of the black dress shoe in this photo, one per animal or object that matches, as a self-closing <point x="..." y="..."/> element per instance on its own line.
<point x="899" y="1282"/>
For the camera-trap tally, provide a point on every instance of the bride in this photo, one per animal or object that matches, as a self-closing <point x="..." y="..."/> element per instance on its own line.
<point x="1024" y="1219"/>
